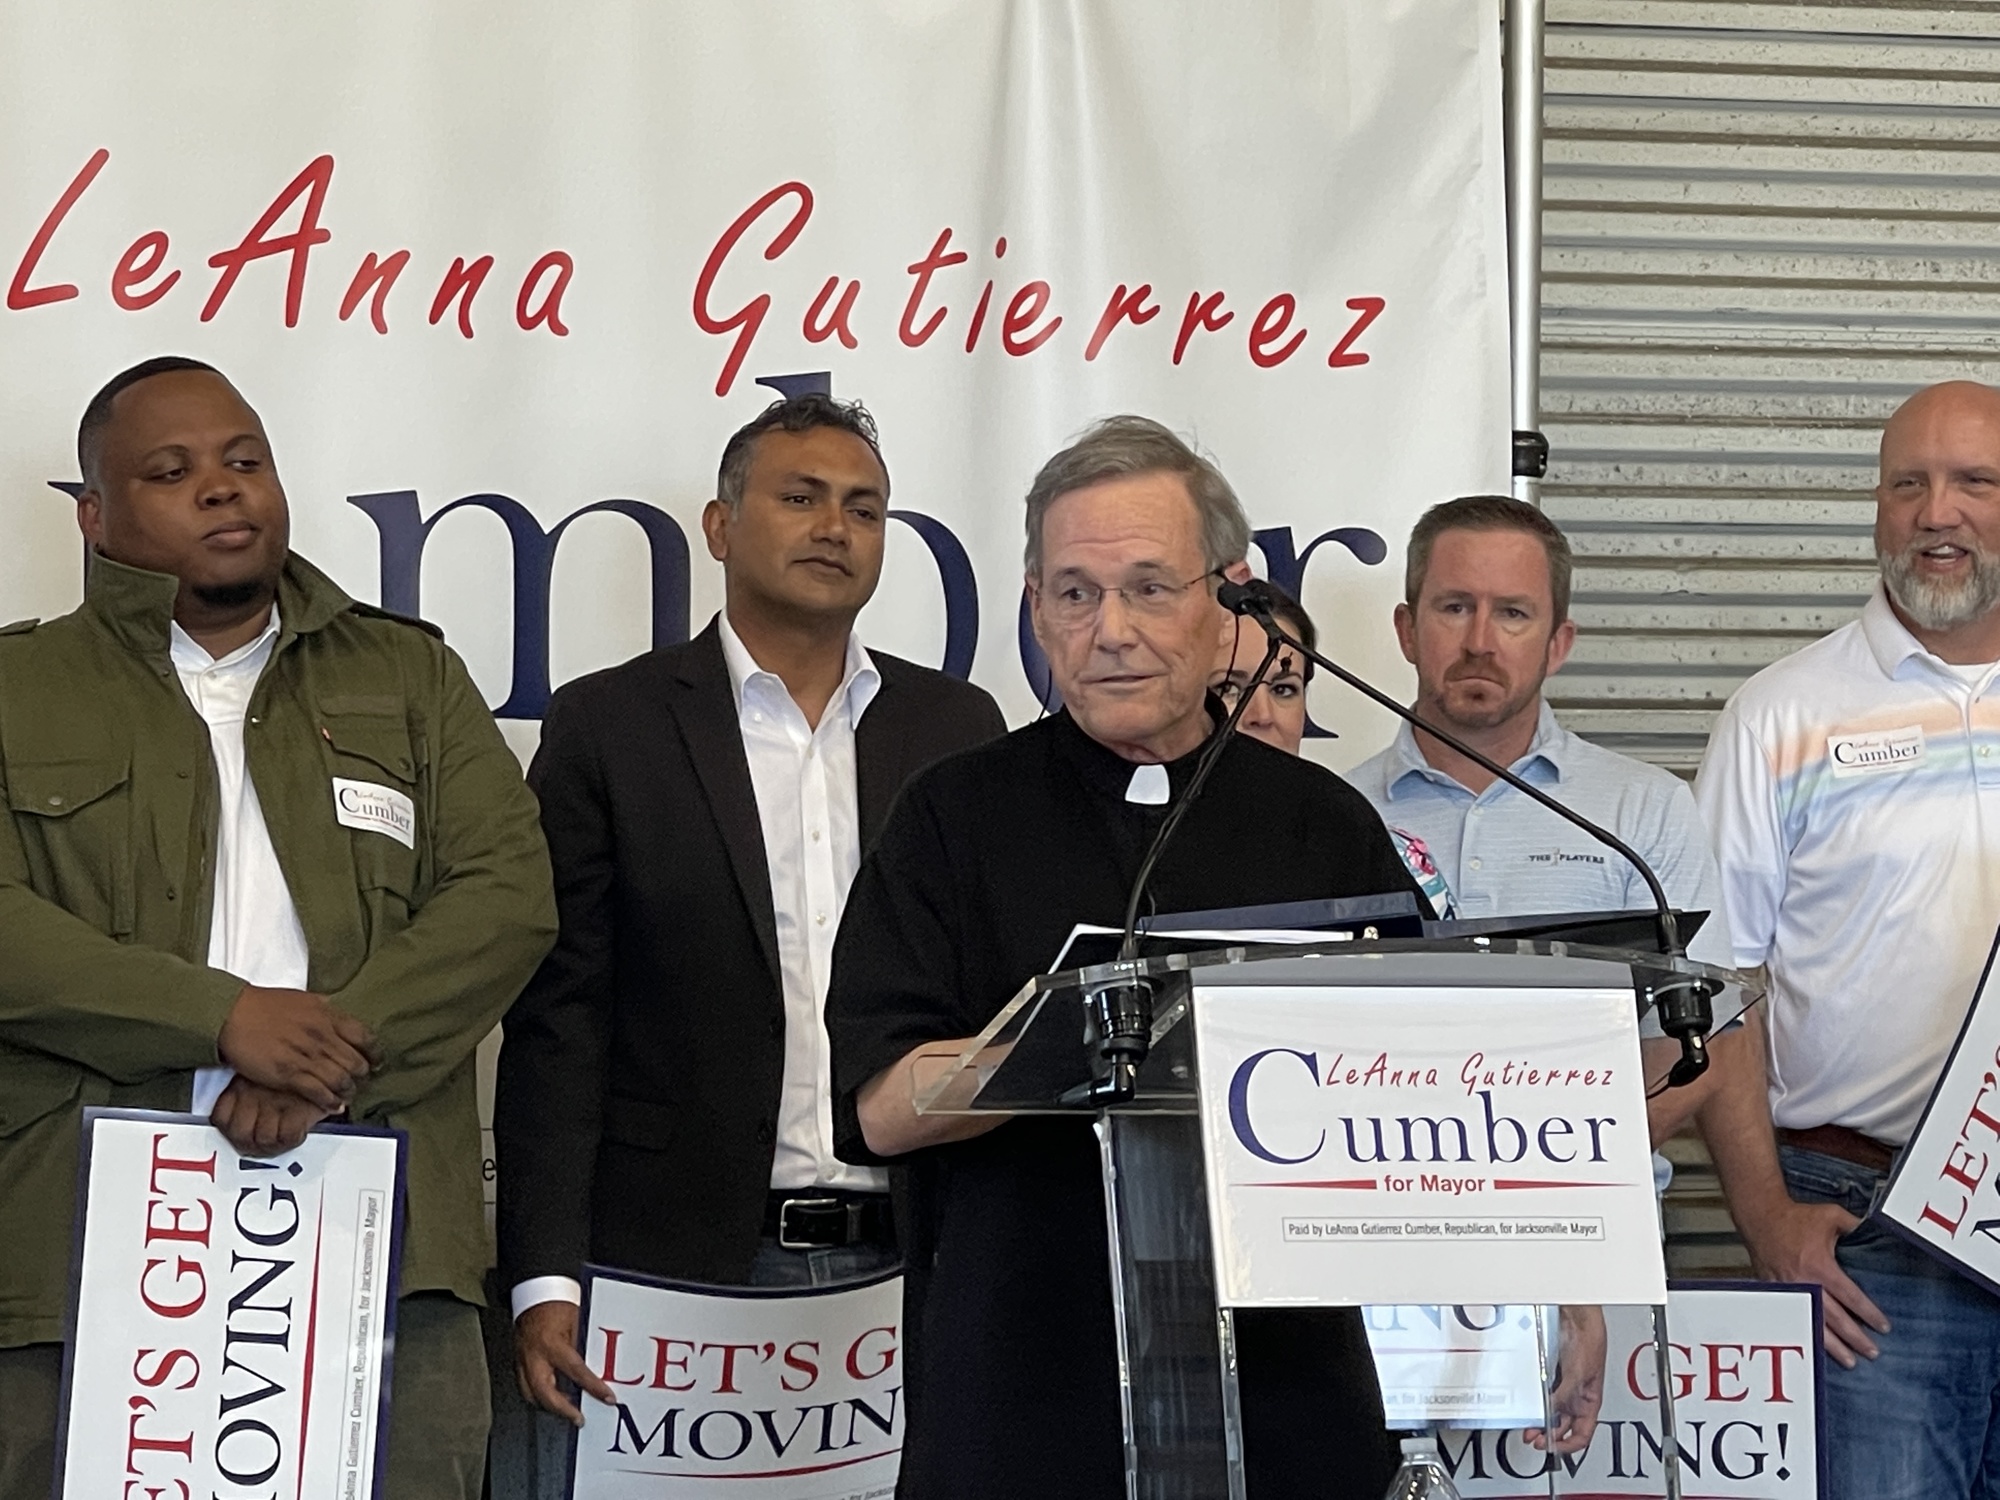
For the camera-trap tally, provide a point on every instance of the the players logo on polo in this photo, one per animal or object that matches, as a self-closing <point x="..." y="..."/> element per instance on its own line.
<point x="1872" y="754"/>
<point x="375" y="809"/>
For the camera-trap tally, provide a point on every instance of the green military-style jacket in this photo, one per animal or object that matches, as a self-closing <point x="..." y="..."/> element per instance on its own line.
<point x="106" y="870"/>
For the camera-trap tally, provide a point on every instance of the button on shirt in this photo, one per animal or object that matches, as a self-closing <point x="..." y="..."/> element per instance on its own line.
<point x="804" y="781"/>
<point x="1502" y="854"/>
<point x="1854" y="793"/>
<point x="254" y="932"/>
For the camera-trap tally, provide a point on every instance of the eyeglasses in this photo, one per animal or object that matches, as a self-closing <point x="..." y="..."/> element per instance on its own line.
<point x="1077" y="603"/>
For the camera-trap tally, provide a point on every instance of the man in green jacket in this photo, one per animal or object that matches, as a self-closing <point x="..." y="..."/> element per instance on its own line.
<point x="264" y="852"/>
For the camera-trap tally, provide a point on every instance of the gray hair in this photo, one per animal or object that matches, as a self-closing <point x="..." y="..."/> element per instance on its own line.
<point x="1125" y="445"/>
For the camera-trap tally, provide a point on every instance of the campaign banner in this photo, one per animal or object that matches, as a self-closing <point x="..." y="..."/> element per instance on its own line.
<point x="232" y="1316"/>
<point x="502" y="278"/>
<point x="1746" y="1371"/>
<point x="752" y="1393"/>
<point x="1944" y="1193"/>
<point x="1386" y="1144"/>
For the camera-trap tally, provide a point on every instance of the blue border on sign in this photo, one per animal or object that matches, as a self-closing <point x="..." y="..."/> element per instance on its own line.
<point x="91" y="1115"/>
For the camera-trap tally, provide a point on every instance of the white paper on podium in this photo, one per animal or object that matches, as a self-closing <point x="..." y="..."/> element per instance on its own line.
<point x="231" y="1314"/>
<point x="1389" y="1144"/>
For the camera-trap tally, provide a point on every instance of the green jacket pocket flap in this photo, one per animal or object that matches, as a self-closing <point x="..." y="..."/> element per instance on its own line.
<point x="381" y="741"/>
<point x="55" y="789"/>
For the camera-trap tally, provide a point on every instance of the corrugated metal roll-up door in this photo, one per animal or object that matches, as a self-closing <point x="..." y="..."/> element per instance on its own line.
<point x="1766" y="224"/>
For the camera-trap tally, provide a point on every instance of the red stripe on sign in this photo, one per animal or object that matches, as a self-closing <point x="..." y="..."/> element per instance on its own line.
<point x="767" y="1473"/>
<point x="1505" y="1183"/>
<point x="1354" y="1184"/>
<point x="312" y="1331"/>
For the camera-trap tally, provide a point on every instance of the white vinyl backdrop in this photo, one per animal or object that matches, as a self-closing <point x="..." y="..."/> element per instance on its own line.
<point x="1343" y="153"/>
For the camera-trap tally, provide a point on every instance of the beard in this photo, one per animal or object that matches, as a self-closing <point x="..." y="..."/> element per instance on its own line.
<point x="1941" y="604"/>
<point x="232" y="595"/>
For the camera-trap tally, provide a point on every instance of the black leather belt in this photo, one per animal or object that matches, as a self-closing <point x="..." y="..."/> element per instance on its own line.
<point x="821" y="1219"/>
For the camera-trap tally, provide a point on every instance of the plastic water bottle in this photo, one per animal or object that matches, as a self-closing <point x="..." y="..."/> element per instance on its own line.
<point x="1422" y="1475"/>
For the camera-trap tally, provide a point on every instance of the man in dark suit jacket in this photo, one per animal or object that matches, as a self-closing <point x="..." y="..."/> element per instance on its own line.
<point x="663" y="1099"/>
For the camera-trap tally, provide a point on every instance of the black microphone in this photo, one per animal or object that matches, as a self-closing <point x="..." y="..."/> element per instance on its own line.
<point x="1118" y="1015"/>
<point x="1682" y="1001"/>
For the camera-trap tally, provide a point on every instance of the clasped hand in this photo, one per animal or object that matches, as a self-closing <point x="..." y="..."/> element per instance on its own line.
<point x="298" y="1061"/>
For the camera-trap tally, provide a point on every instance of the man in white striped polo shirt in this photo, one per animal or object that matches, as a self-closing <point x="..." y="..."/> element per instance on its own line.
<point x="1854" y="793"/>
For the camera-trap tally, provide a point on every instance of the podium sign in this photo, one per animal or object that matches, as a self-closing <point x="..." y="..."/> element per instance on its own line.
<point x="1373" y="1144"/>
<point x="1458" y="1119"/>
<point x="232" y="1314"/>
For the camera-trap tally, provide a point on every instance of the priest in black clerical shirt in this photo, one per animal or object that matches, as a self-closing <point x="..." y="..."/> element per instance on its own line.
<point x="986" y="863"/>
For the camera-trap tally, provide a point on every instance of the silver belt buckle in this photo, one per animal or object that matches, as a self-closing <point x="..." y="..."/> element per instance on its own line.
<point x="785" y="1242"/>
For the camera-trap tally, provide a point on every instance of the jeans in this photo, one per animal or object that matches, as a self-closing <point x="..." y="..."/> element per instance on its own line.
<point x="777" y="1266"/>
<point x="1920" y="1419"/>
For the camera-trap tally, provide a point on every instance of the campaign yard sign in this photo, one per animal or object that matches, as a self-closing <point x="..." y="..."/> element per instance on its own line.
<point x="1746" y="1372"/>
<point x="750" y="1393"/>
<point x="1399" y="1144"/>
<point x="232" y="1315"/>
<point x="1944" y="1194"/>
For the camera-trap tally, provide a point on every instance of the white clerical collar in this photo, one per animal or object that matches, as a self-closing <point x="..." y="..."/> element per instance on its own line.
<point x="1149" y="786"/>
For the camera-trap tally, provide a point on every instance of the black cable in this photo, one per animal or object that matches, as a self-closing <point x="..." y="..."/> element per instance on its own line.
<point x="1680" y="1001"/>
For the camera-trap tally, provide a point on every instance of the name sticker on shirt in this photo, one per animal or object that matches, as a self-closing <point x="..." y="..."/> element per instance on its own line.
<point x="375" y="809"/>
<point x="1872" y="754"/>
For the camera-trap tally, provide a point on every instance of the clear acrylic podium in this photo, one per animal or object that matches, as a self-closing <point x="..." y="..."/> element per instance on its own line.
<point x="1181" y="1401"/>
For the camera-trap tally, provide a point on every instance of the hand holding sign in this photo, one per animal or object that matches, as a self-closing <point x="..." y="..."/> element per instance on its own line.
<point x="261" y="1122"/>
<point x="545" y="1347"/>
<point x="295" y="1041"/>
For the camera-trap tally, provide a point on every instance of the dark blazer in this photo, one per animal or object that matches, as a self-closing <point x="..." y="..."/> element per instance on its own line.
<point x="640" y="1074"/>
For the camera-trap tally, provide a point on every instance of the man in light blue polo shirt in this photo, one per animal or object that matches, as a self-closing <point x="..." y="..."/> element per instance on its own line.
<point x="1485" y="620"/>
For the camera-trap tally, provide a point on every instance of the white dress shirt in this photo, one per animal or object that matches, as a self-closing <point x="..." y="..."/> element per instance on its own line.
<point x="1854" y="793"/>
<point x="804" y="781"/>
<point x="254" y="931"/>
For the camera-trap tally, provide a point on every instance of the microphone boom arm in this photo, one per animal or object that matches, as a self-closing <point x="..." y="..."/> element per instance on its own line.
<point x="1681" y="1001"/>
